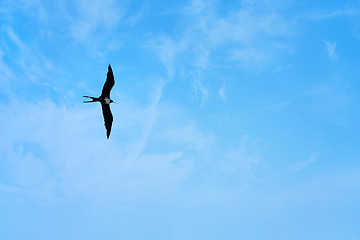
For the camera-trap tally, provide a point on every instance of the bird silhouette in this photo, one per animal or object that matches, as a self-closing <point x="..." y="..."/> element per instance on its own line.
<point x="105" y="100"/>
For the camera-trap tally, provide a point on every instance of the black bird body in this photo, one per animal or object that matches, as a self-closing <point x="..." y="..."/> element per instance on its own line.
<point x="105" y="100"/>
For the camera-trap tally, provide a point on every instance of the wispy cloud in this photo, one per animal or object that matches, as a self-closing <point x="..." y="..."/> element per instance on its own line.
<point x="222" y="92"/>
<point x="29" y="62"/>
<point x="56" y="157"/>
<point x="189" y="136"/>
<point x="95" y="16"/>
<point x="240" y="158"/>
<point x="24" y="51"/>
<point x="326" y="14"/>
<point x="93" y="25"/>
<point x="196" y="6"/>
<point x="134" y="19"/>
<point x="331" y="94"/>
<point x="279" y="106"/>
<point x="243" y="30"/>
<point x="151" y="112"/>
<point x="200" y="90"/>
<point x="6" y="75"/>
<point x="302" y="164"/>
<point x="331" y="50"/>
<point x="251" y="56"/>
<point x="168" y="50"/>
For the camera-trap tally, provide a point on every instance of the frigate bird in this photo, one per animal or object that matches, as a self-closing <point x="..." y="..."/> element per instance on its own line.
<point x="105" y="100"/>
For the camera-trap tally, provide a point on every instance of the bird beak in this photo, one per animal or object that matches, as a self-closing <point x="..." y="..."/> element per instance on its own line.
<point x="114" y="102"/>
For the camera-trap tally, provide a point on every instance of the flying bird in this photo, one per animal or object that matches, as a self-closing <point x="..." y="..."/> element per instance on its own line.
<point x="105" y="100"/>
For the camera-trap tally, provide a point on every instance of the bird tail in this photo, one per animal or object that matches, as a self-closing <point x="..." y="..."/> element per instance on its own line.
<point x="94" y="99"/>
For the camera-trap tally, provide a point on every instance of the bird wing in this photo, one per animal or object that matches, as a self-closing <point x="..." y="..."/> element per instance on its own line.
<point x="108" y="117"/>
<point x="109" y="83"/>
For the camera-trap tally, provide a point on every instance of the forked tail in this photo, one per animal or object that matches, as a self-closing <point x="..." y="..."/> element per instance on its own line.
<point x="94" y="99"/>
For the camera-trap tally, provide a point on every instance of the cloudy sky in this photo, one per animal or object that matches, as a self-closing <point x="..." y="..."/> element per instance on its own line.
<point x="235" y="119"/>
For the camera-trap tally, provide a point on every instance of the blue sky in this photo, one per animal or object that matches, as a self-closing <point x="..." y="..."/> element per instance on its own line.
<point x="235" y="119"/>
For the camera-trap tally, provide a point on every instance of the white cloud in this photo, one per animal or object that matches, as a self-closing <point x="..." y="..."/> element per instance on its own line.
<point x="148" y="118"/>
<point x="32" y="63"/>
<point x="325" y="14"/>
<point x="222" y="92"/>
<point x="241" y="157"/>
<point x="23" y="49"/>
<point x="249" y="56"/>
<point x="279" y="106"/>
<point x="168" y="49"/>
<point x="330" y="95"/>
<point x="195" y="7"/>
<point x="134" y="19"/>
<point x="106" y="13"/>
<point x="60" y="153"/>
<point x="54" y="152"/>
<point x="95" y="22"/>
<point x="331" y="50"/>
<point x="6" y="74"/>
<point x="251" y="38"/>
<point x="302" y="164"/>
<point x="190" y="136"/>
<point x="200" y="88"/>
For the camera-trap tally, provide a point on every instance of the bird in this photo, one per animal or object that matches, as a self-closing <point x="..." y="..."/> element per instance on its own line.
<point x="105" y="100"/>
